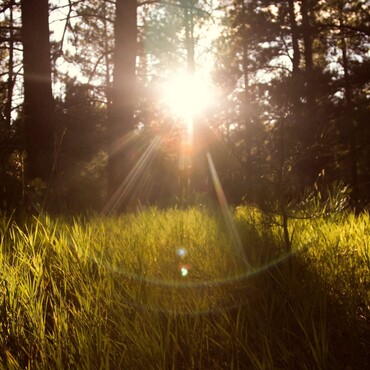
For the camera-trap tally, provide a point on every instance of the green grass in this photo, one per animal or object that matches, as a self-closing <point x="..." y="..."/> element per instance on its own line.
<point x="169" y="290"/>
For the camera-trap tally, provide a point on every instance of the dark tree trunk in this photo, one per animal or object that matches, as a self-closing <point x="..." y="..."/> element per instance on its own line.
<point x="10" y="83"/>
<point x="247" y="95"/>
<point x="295" y="38"/>
<point x="311" y="120"/>
<point x="349" y="118"/>
<point x="307" y="30"/>
<point x="121" y="109"/>
<point x="106" y="54"/>
<point x="308" y="58"/>
<point x="38" y="97"/>
<point x="295" y="92"/>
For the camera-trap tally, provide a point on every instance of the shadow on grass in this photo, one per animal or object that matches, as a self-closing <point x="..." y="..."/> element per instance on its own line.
<point x="281" y="318"/>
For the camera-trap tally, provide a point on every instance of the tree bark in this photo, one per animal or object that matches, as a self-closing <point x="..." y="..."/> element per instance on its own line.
<point x="309" y="68"/>
<point x="295" y="38"/>
<point x="106" y="54"/>
<point x="247" y="95"/>
<point x="10" y="83"/>
<point x="295" y="91"/>
<point x="349" y="116"/>
<point x="121" y="109"/>
<point x="311" y="121"/>
<point x="307" y="30"/>
<point x="38" y="97"/>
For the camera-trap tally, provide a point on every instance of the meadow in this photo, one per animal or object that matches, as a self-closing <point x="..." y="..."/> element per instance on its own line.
<point x="184" y="289"/>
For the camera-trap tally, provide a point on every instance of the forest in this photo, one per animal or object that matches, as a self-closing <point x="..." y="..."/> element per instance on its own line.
<point x="284" y="87"/>
<point x="184" y="184"/>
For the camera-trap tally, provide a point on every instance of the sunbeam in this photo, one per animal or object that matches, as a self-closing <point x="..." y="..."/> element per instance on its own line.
<point x="122" y="142"/>
<point x="141" y="166"/>
<point x="226" y="212"/>
<point x="186" y="148"/>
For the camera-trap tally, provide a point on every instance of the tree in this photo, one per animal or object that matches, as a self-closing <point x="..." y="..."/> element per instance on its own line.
<point x="348" y="41"/>
<point x="123" y="99"/>
<point x="81" y="124"/>
<point x="38" y="97"/>
<point x="89" y="28"/>
<point x="310" y="103"/>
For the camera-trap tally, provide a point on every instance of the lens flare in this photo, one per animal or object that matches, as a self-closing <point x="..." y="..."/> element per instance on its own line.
<point x="184" y="270"/>
<point x="181" y="252"/>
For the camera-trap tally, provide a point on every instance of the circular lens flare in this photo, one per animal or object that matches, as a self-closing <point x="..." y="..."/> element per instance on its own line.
<point x="181" y="252"/>
<point x="184" y="270"/>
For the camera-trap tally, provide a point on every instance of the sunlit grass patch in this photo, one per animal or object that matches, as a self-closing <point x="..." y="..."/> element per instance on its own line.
<point x="166" y="289"/>
<point x="342" y="255"/>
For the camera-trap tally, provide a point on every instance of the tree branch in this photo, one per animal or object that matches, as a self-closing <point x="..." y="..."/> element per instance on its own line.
<point x="171" y="3"/>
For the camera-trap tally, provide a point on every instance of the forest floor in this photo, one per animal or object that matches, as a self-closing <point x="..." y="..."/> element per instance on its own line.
<point x="185" y="289"/>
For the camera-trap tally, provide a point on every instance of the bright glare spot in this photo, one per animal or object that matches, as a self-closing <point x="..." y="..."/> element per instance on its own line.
<point x="181" y="252"/>
<point x="187" y="95"/>
<point x="184" y="271"/>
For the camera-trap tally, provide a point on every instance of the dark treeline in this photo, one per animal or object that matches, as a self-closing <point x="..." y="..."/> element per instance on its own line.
<point x="82" y="124"/>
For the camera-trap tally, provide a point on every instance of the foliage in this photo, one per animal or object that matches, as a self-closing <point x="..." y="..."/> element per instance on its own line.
<point x="289" y="113"/>
<point x="81" y="157"/>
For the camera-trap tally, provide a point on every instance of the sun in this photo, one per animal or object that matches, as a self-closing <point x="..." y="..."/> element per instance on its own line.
<point x="187" y="95"/>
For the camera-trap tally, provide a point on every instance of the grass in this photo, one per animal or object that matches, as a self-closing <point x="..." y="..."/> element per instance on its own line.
<point x="169" y="290"/>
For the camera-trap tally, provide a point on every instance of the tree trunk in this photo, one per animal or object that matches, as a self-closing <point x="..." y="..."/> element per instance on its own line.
<point x="38" y="97"/>
<point x="121" y="110"/>
<point x="295" y="38"/>
<point x="10" y="83"/>
<point x="200" y="183"/>
<point x="106" y="54"/>
<point x="247" y="95"/>
<point x="311" y="130"/>
<point x="349" y="117"/>
<point x="189" y="35"/>
<point x="307" y="37"/>
<point x="308" y="58"/>
<point x="295" y="92"/>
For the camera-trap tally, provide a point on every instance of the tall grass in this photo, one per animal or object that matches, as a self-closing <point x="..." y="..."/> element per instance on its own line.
<point x="168" y="290"/>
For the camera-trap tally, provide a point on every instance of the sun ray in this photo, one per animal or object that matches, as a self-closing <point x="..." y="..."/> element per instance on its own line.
<point x="226" y="212"/>
<point x="141" y="166"/>
<point x="122" y="142"/>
